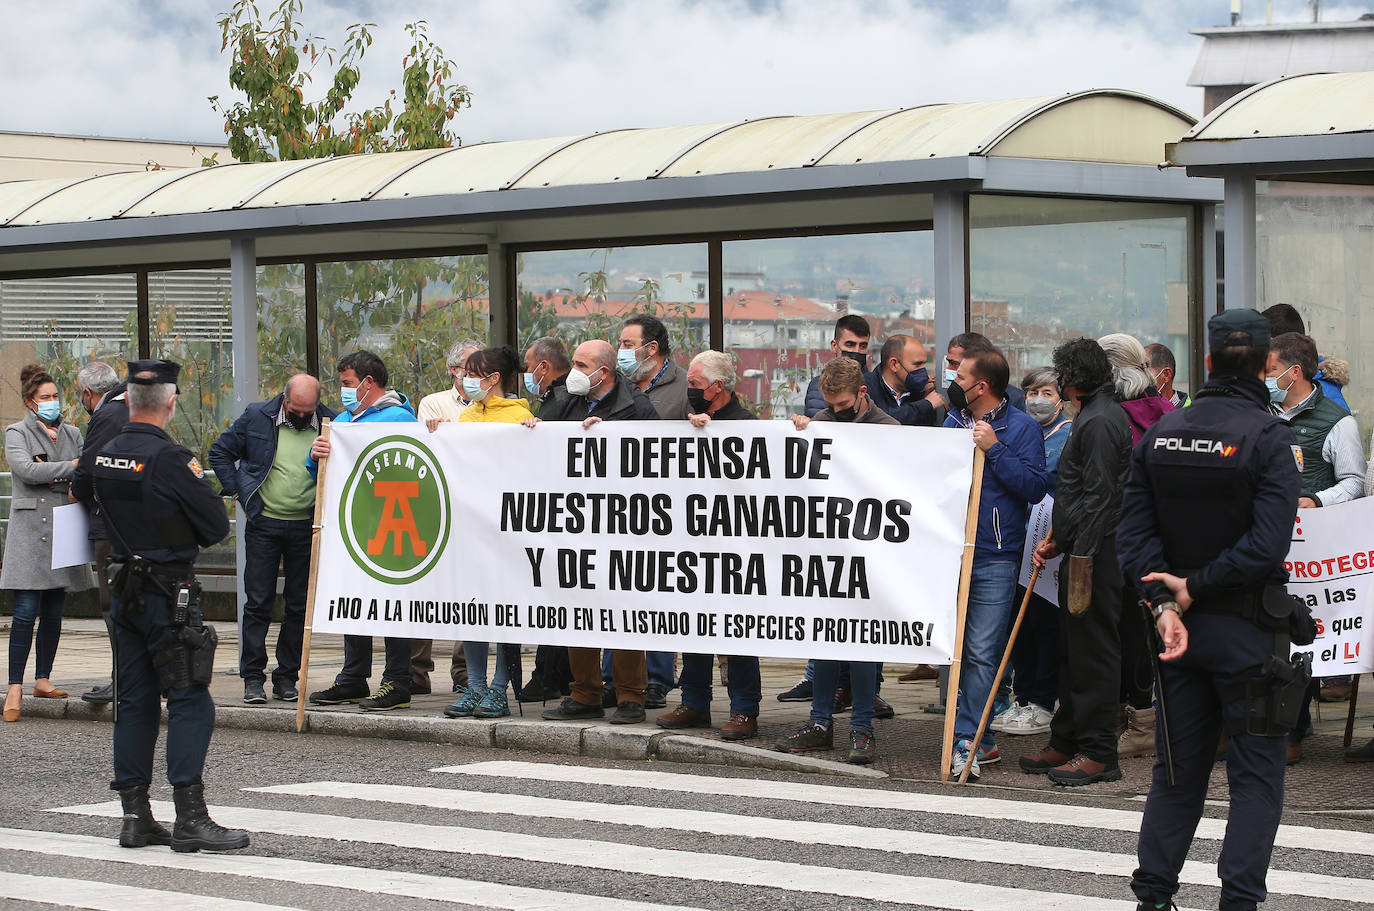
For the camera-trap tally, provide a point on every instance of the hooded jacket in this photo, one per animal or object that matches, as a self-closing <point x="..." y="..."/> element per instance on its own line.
<point x="392" y="406"/>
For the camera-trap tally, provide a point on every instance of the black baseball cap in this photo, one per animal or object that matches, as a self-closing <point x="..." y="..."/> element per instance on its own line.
<point x="1228" y="323"/>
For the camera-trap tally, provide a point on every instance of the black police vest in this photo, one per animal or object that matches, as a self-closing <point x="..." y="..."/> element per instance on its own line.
<point x="142" y="521"/>
<point x="1203" y="481"/>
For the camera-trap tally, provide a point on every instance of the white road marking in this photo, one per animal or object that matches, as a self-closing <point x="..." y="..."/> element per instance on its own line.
<point x="363" y="879"/>
<point x="644" y="861"/>
<point x="1307" y="837"/>
<point x="99" y="896"/>
<point x="901" y="841"/>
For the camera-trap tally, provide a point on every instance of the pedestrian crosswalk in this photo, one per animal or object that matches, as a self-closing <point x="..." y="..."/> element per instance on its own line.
<point x="570" y="837"/>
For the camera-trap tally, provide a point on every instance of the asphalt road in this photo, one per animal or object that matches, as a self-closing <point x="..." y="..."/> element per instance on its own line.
<point x="591" y="834"/>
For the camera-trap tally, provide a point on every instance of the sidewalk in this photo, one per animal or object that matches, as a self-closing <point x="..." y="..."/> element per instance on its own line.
<point x="908" y="745"/>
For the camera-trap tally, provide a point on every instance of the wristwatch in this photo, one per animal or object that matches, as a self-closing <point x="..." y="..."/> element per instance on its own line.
<point x="1157" y="610"/>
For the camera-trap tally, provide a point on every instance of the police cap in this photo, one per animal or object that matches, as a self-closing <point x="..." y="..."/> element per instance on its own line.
<point x="151" y="372"/>
<point x="1221" y="327"/>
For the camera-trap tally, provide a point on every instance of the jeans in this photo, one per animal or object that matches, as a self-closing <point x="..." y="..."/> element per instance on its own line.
<point x="863" y="678"/>
<point x="660" y="665"/>
<point x="45" y="607"/>
<point x="743" y="683"/>
<point x="992" y="588"/>
<point x="476" y="654"/>
<point x="267" y="544"/>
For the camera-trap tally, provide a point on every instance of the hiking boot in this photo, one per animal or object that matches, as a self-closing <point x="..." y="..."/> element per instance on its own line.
<point x="683" y="717"/>
<point x="195" y="830"/>
<point x="388" y="696"/>
<point x="253" y="693"/>
<point x="746" y="727"/>
<point x="1139" y="737"/>
<point x="808" y="737"/>
<point x="340" y="693"/>
<point x="571" y="710"/>
<point x="802" y="692"/>
<point x="962" y="757"/>
<point x="493" y="704"/>
<point x="861" y="747"/>
<point x="466" y="704"/>
<point x="139" y="828"/>
<point x="1042" y="762"/>
<point x="1081" y="770"/>
<point x="99" y="695"/>
<point x="627" y="713"/>
<point x="1336" y="689"/>
<point x="655" y="696"/>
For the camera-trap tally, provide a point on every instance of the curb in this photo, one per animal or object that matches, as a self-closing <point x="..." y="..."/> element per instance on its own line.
<point x="561" y="738"/>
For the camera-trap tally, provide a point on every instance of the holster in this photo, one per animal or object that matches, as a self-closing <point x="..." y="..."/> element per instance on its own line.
<point x="190" y="659"/>
<point x="1282" y="612"/>
<point x="1080" y="584"/>
<point x="1273" y="701"/>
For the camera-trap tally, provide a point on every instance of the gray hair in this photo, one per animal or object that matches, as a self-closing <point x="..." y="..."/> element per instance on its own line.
<point x="150" y="396"/>
<point x="98" y="377"/>
<point x="458" y="349"/>
<point x="552" y="350"/>
<point x="1040" y="376"/>
<point x="1130" y="366"/>
<point x="716" y="366"/>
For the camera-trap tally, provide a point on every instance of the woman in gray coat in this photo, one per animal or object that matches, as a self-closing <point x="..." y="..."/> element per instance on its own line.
<point x="42" y="450"/>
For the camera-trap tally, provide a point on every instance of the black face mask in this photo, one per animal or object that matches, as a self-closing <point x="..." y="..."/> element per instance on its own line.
<point x="298" y="421"/>
<point x="696" y="400"/>
<point x="860" y="357"/>
<point x="847" y="415"/>
<point x="958" y="396"/>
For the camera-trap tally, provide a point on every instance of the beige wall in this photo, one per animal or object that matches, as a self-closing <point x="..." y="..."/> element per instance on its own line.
<point x="30" y="156"/>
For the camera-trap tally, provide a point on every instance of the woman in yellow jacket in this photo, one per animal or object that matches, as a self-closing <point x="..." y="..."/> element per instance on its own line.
<point x="493" y="375"/>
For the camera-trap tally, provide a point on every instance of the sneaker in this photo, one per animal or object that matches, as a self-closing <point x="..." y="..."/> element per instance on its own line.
<point x="800" y="693"/>
<point x="655" y="696"/>
<point x="1034" y="719"/>
<point x="808" y="737"/>
<point x="1001" y="704"/>
<point x="627" y="713"/>
<point x="493" y="704"/>
<point x="570" y="710"/>
<point x="860" y="747"/>
<point x="99" y="695"/>
<point x="989" y="755"/>
<point x="465" y="705"/>
<point x="388" y="697"/>
<point x="961" y="758"/>
<point x="285" y="691"/>
<point x="253" y="693"/>
<point x="340" y="693"/>
<point x="1014" y="713"/>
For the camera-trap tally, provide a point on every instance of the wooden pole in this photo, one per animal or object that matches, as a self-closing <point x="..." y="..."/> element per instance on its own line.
<point x="965" y="572"/>
<point x="1001" y="669"/>
<point x="315" y="535"/>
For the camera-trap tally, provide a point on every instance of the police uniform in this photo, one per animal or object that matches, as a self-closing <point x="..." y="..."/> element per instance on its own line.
<point x="1211" y="498"/>
<point x="159" y="510"/>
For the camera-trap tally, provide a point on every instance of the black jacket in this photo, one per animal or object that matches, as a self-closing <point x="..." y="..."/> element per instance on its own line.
<point x="555" y="401"/>
<point x="1092" y="474"/>
<point x="915" y="411"/>
<point x="733" y="411"/>
<point x="623" y="403"/>
<point x="106" y="422"/>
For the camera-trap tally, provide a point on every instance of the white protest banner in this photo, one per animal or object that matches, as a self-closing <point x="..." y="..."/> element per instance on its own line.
<point x="71" y="543"/>
<point x="1331" y="566"/>
<point x="840" y="541"/>
<point x="1047" y="583"/>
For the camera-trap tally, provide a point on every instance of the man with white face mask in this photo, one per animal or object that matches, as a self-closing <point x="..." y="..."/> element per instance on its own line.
<point x="643" y="359"/>
<point x="439" y="407"/>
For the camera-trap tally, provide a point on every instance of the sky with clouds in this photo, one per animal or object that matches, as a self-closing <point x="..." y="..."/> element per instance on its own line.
<point x="144" y="68"/>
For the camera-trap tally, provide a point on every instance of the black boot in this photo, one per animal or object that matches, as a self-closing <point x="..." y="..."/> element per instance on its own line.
<point x="139" y="826"/>
<point x="195" y="830"/>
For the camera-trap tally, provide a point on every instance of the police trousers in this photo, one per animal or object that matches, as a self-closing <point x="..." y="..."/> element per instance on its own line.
<point x="1222" y="650"/>
<point x="140" y="635"/>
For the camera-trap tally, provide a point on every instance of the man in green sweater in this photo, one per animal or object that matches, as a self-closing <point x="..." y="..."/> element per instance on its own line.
<point x="261" y="461"/>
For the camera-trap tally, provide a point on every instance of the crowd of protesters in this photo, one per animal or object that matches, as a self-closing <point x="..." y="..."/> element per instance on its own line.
<point x="1081" y="666"/>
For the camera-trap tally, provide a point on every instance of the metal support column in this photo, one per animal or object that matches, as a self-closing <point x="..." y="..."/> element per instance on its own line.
<point x="501" y="295"/>
<point x="1239" y="252"/>
<point x="715" y="293"/>
<point x="312" y="318"/>
<point x="951" y="272"/>
<point x="1205" y="240"/>
<point x="145" y="315"/>
<point x="243" y="316"/>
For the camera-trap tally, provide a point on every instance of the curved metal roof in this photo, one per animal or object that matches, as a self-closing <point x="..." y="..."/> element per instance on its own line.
<point x="1320" y="104"/>
<point x="1102" y="125"/>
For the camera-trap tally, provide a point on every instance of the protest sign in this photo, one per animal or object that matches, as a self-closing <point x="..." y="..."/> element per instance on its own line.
<point x="71" y="542"/>
<point x="1331" y="566"/>
<point x="840" y="541"/>
<point x="1047" y="583"/>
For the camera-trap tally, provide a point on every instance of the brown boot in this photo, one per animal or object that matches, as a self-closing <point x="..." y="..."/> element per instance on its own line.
<point x="1042" y="762"/>
<point x="1081" y="770"/>
<point x="1139" y="737"/>
<point x="740" y="727"/>
<point x="920" y="672"/>
<point x="683" y="717"/>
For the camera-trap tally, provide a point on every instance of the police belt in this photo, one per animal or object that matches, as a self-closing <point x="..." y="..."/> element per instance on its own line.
<point x="1244" y="603"/>
<point x="129" y="577"/>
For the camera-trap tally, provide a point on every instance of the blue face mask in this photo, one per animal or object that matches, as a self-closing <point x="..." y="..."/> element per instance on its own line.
<point x="949" y="376"/>
<point x="49" y="411"/>
<point x="532" y="386"/>
<point x="916" y="381"/>
<point x="627" y="360"/>
<point x="348" y="395"/>
<point x="472" y="389"/>
<point x="1276" y="395"/>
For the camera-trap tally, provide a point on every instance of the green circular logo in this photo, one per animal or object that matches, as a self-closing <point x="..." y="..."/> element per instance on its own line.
<point x="395" y="510"/>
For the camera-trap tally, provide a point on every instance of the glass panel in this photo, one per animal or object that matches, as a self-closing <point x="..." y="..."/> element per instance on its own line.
<point x="783" y="295"/>
<point x="1043" y="271"/>
<point x="1314" y="249"/>
<point x="189" y="313"/>
<point x="61" y="323"/>
<point x="407" y="311"/>
<point x="281" y="327"/>
<point x="578" y="295"/>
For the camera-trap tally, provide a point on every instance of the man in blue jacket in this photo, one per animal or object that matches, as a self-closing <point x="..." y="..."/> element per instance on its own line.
<point x="362" y="381"/>
<point x="1014" y="477"/>
<point x="261" y="460"/>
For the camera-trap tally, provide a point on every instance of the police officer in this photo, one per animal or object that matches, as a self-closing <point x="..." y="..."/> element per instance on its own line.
<point x="159" y="509"/>
<point x="1207" y="519"/>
